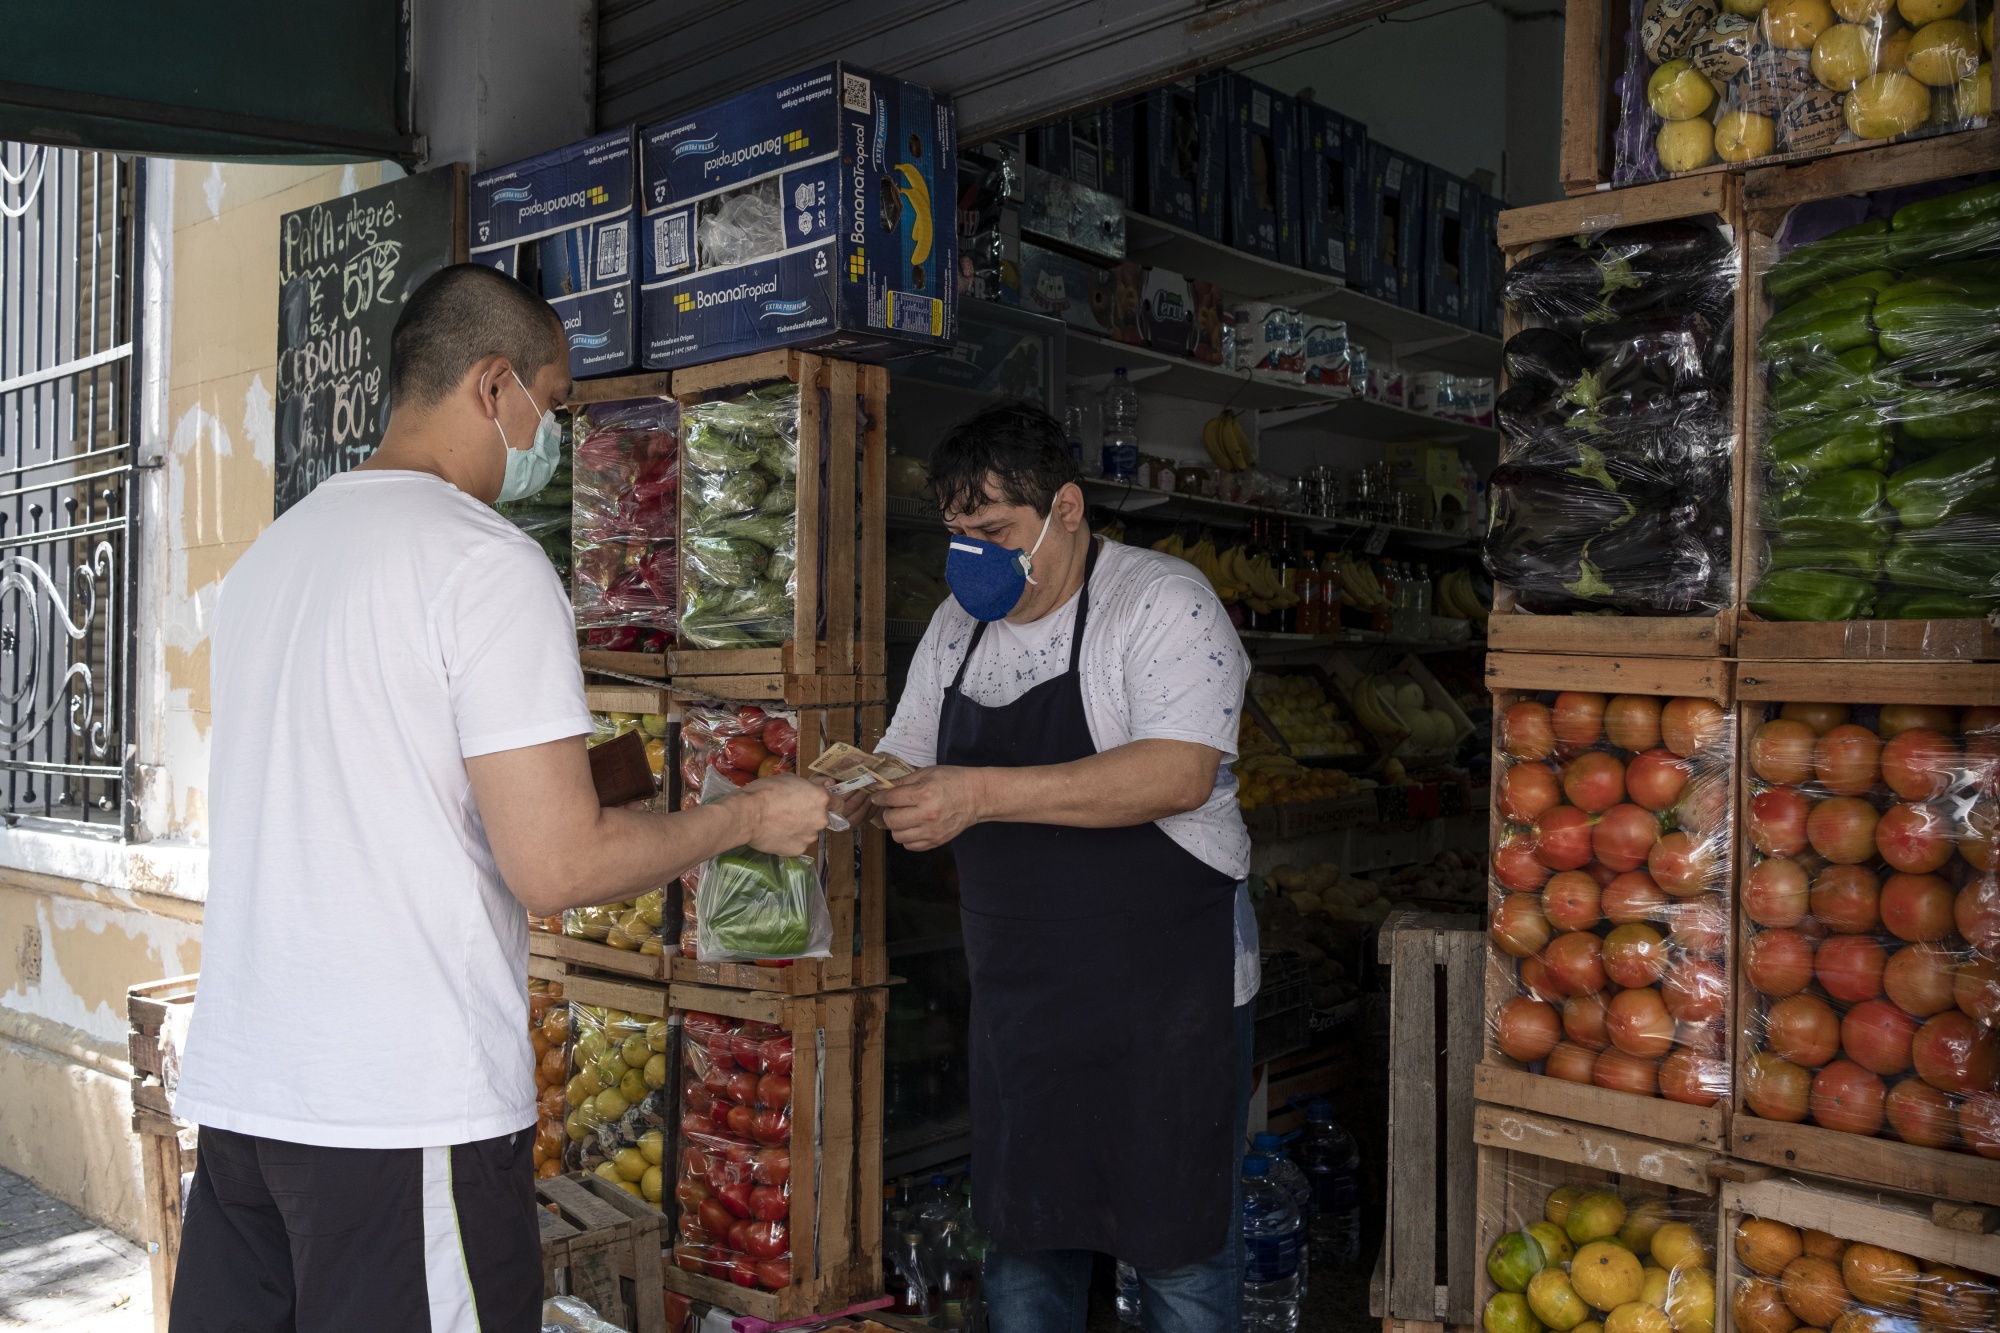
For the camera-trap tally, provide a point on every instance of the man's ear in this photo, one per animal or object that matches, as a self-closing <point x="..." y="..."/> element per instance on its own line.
<point x="1069" y="506"/>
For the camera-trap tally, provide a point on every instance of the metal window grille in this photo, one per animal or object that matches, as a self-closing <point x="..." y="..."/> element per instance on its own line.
<point x="66" y="459"/>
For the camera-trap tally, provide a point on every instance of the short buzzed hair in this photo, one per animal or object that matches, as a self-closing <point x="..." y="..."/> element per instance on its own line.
<point x="460" y="315"/>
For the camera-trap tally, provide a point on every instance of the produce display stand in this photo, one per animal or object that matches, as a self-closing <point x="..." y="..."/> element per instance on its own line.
<point x="158" y="1013"/>
<point x="1769" y="193"/>
<point x="601" y="1245"/>
<point x="1522" y="231"/>
<point x="1346" y="674"/>
<point x="1502" y="1081"/>
<point x="1939" y="1173"/>
<point x="835" y="1226"/>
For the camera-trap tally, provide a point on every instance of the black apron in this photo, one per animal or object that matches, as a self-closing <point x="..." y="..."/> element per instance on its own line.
<point x="1102" y="1033"/>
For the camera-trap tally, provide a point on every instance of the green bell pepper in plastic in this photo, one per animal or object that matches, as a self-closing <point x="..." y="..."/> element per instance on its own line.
<point x="1874" y="280"/>
<point x="1847" y="381"/>
<point x="1825" y="335"/>
<point x="1968" y="571"/>
<point x="754" y="905"/>
<point x="1833" y="443"/>
<point x="1853" y="497"/>
<point x="1981" y="201"/>
<point x="1856" y="249"/>
<point x="1809" y="594"/>
<point x="1930" y="604"/>
<point x="1859" y="561"/>
<point x="1965" y="480"/>
<point x="1936" y="321"/>
<point x="1949" y="414"/>
<point x="1813" y="307"/>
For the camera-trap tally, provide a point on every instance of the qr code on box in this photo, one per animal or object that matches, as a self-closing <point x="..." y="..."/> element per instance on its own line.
<point x="670" y="242"/>
<point x="855" y="94"/>
<point x="611" y="252"/>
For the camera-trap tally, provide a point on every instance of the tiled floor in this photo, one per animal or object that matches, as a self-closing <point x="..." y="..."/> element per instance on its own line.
<point x="60" y="1270"/>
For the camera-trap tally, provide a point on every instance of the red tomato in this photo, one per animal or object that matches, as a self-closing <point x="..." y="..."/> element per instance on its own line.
<point x="1876" y="1035"/>
<point x="1634" y="955"/>
<point x="1846" y="759"/>
<point x="1656" y="778"/>
<point x="1689" y="725"/>
<point x="1632" y="721"/>
<point x="694" y="1162"/>
<point x="1526" y="790"/>
<point x="1694" y="991"/>
<point x="1624" y="836"/>
<point x="1537" y="982"/>
<point x="1803" y="1029"/>
<point x="767" y="1240"/>
<point x="1846" y="1097"/>
<point x="1639" y="1024"/>
<point x="1691" y="1077"/>
<point x="770" y="1203"/>
<point x="743" y="1273"/>
<point x="1515" y="864"/>
<point x="1571" y="1063"/>
<point x="1954" y="1053"/>
<point x="1527" y="1030"/>
<point x="1575" y="959"/>
<point x="1518" y="926"/>
<point x="721" y="1049"/>
<point x="744" y="753"/>
<point x="1781" y="751"/>
<point x="1914" y="838"/>
<point x="742" y="1087"/>
<point x="1895" y="719"/>
<point x="1921" y="979"/>
<point x="688" y="1255"/>
<point x="739" y="1233"/>
<point x="773" y="765"/>
<point x="751" y="719"/>
<point x="735" y="1196"/>
<point x="1842" y="829"/>
<point x="1625" y="1072"/>
<point x="1777" y="820"/>
<point x="716" y="1217"/>
<point x="1850" y="967"/>
<point x="774" y="1091"/>
<point x="740" y="1120"/>
<point x="1700" y="925"/>
<point x="1780" y="962"/>
<point x="1846" y="899"/>
<point x="772" y="1166"/>
<point x="1594" y="781"/>
<point x="777" y="1055"/>
<point x="1917" y="907"/>
<point x="1920" y="1114"/>
<point x="1579" y="718"/>
<point x="1975" y="988"/>
<point x="772" y="1127"/>
<point x="1681" y="864"/>
<point x="1527" y="731"/>
<point x="781" y="737"/>
<point x="1569" y="901"/>
<point x="1979" y="1122"/>
<point x="1775" y="1088"/>
<point x="697" y="1097"/>
<point x="1976" y="912"/>
<point x="1583" y="1022"/>
<point x="1918" y="764"/>
<point x="691" y="1229"/>
<point x="1562" y="838"/>
<point x="691" y="1193"/>
<point x="702" y="1025"/>
<point x="774" y="1274"/>
<point x="691" y="1123"/>
<point x="1632" y="897"/>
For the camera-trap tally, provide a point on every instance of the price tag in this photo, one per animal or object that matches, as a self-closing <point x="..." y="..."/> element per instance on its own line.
<point x="1378" y="537"/>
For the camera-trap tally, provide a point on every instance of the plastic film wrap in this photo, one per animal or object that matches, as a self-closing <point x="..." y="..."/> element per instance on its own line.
<point x="625" y="498"/>
<point x="1613" y="490"/>
<point x="1879" y="454"/>
<point x="633" y="924"/>
<point x="1873" y="918"/>
<point x="1786" y="1277"/>
<point x="1566" y="1246"/>
<point x="733" y="1165"/>
<point x="739" y="519"/>
<point x="549" y="1038"/>
<point x="1707" y="83"/>
<point x="1611" y="899"/>
<point x="619" y="1098"/>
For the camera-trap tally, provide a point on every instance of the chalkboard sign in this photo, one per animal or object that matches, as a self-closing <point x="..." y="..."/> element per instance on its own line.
<point x="345" y="267"/>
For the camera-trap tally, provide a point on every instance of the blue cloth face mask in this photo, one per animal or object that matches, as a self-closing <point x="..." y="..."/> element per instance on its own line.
<point x="528" y="470"/>
<point x="988" y="578"/>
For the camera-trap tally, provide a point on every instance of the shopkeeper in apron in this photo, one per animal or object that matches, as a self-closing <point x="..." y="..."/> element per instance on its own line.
<point x="1071" y="709"/>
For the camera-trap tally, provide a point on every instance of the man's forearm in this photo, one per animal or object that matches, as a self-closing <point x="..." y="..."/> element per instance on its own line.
<point x="1129" y="784"/>
<point x="628" y="852"/>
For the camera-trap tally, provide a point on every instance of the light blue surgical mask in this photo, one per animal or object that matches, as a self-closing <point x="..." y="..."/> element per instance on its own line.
<point x="528" y="470"/>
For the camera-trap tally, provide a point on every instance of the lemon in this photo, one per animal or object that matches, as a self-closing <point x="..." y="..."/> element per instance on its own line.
<point x="618" y="938"/>
<point x="1508" y="1312"/>
<point x="631" y="1163"/>
<point x="1595" y="1216"/>
<point x="1887" y="104"/>
<point x="1554" y="1241"/>
<point x="1892" y="51"/>
<point x="589" y="1046"/>
<point x="1794" y="25"/>
<point x="1637" y="1317"/>
<point x="1684" y="145"/>
<point x="611" y="1104"/>
<point x="633" y="1087"/>
<point x="649" y="1185"/>
<point x="1749" y="9"/>
<point x="1943" y="53"/>
<point x="1554" y="1301"/>
<point x="1844" y="55"/>
<point x="610" y="1173"/>
<point x="1743" y="135"/>
<point x="1974" y="96"/>
<point x="1677" y="1245"/>
<point x="1588" y="1326"/>
<point x="1653" y="1286"/>
<point x="652" y="1146"/>
<point x="631" y="1187"/>
<point x="611" y="1067"/>
<point x="583" y="1087"/>
<point x="1607" y="1276"/>
<point x="1679" y="91"/>
<point x="574" y="1127"/>
<point x="1860" y="11"/>
<point x="1642" y="1220"/>
<point x="1916" y="13"/>
<point x="656" y="1072"/>
<point x="1514" y="1259"/>
<point x="1691" y="1301"/>
<point x="652" y="906"/>
<point x="635" y="1052"/>
<point x="1556" y="1206"/>
<point x="656" y="1035"/>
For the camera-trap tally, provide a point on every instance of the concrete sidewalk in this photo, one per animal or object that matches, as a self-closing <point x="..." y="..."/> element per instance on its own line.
<point x="60" y="1270"/>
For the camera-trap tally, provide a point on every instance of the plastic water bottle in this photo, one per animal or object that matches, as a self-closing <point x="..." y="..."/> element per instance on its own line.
<point x="1332" y="1163"/>
<point x="1121" y="428"/>
<point x="1128" y="1294"/>
<point x="1285" y="1173"/>
<point x="1270" y="1252"/>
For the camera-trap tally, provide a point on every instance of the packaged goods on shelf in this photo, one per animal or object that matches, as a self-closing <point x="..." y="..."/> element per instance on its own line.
<point x="1057" y="211"/>
<point x="1880" y="482"/>
<point x="1328" y="361"/>
<point x="562" y="222"/>
<point x="1871" y="901"/>
<point x="1092" y="148"/>
<point x="739" y="518"/>
<point x="1180" y="316"/>
<point x="1087" y="296"/>
<point x="1179" y="156"/>
<point x="1451" y="244"/>
<point x="1614" y="486"/>
<point x="549" y="1038"/>
<point x="1709" y="84"/>
<point x="1611" y="891"/>
<point x="1396" y="226"/>
<point x="619" y="1098"/>
<point x="626" y="509"/>
<point x="1263" y="170"/>
<point x="1333" y="187"/>
<point x="1267" y="340"/>
<point x="746" y="203"/>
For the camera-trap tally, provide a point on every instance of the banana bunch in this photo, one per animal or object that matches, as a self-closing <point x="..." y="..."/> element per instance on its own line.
<point x="1359" y="587"/>
<point x="1373" y="713"/>
<point x="1234" y="576"/>
<point x="1455" y="597"/>
<point x="1227" y="442"/>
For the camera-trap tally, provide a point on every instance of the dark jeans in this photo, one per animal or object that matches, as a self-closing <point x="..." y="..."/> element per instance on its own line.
<point x="1046" y="1291"/>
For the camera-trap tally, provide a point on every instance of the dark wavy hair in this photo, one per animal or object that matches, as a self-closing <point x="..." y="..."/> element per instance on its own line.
<point x="1010" y="453"/>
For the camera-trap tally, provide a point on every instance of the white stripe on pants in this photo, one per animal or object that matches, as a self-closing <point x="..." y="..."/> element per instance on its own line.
<point x="445" y="1277"/>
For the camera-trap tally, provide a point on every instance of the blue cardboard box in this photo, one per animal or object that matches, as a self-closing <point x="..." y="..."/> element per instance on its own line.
<point x="1180" y="155"/>
<point x="818" y="211"/>
<point x="1396" y="226"/>
<point x="1451" y="244"/>
<point x="1092" y="148"/>
<point x="1263" y="172"/>
<point x="1495" y="265"/>
<point x="1333" y="192"/>
<point x="563" y="223"/>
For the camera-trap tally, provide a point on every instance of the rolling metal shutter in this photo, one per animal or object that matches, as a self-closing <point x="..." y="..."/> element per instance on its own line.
<point x="1009" y="63"/>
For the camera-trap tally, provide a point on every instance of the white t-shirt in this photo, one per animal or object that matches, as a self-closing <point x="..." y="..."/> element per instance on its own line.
<point x="362" y="960"/>
<point x="1160" y="661"/>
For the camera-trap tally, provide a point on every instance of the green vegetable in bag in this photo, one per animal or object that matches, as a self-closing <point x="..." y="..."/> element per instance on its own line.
<point x="1938" y="321"/>
<point x="782" y="499"/>
<point x="778" y="455"/>
<point x="1810" y="594"/>
<point x="729" y="562"/>
<point x="1862" y="562"/>
<point x="1930" y="604"/>
<point x="1978" y="203"/>
<point x="1962" y="570"/>
<point x="735" y="492"/>
<point x="1950" y="414"/>
<point x="755" y="905"/>
<point x="1856" y="249"/>
<point x="1853" y="497"/>
<point x="1965" y="480"/>
<point x="713" y="447"/>
<point x="1849" y="380"/>
<point x="769" y="531"/>
<point x="1828" y="444"/>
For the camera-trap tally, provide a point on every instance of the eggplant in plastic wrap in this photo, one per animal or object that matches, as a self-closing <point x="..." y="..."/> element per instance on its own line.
<point x="1542" y="361"/>
<point x="1597" y="279"/>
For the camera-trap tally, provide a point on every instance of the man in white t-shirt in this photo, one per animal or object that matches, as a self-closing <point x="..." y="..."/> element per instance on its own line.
<point x="398" y="770"/>
<point x="1070" y="710"/>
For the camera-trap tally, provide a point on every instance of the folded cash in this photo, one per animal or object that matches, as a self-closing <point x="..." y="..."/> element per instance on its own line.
<point x="851" y="768"/>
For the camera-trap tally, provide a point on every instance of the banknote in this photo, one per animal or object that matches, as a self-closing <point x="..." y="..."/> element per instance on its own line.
<point x="852" y="769"/>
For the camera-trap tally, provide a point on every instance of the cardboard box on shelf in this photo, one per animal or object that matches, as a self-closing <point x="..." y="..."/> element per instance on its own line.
<point x="1058" y="211"/>
<point x="1097" y="299"/>
<point x="1395" y="225"/>
<point x="818" y="211"/>
<point x="1179" y="155"/>
<point x="1263" y="168"/>
<point x="1333" y="189"/>
<point x="562" y="222"/>
<point x="1450" y="243"/>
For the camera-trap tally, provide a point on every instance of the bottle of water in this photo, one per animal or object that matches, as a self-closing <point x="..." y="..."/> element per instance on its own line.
<point x="958" y="1279"/>
<point x="1423" y="617"/>
<point x="1270" y="1252"/>
<point x="933" y="1206"/>
<point x="1073" y="431"/>
<point x="1332" y="1163"/>
<point x="1285" y="1173"/>
<point x="912" y="1282"/>
<point x="1128" y="1294"/>
<point x="1121" y="428"/>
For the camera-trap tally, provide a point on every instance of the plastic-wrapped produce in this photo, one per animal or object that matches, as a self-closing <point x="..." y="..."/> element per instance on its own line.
<point x="734" y="1168"/>
<point x="1707" y="82"/>
<point x="739" y="519"/>
<point x="545" y="515"/>
<point x="619" y="1098"/>
<point x="1610" y="902"/>
<point x="1873" y="911"/>
<point x="1880" y="477"/>
<point x="1569" y="1247"/>
<point x="549" y="1038"/>
<point x="634" y="924"/>
<point x="724" y="747"/>
<point x="626" y="497"/>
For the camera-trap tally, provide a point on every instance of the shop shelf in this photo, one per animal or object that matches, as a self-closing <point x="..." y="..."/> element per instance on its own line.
<point x="1167" y="506"/>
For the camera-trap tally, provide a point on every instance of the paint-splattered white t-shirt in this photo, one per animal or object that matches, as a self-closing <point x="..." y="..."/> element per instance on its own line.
<point x="1160" y="662"/>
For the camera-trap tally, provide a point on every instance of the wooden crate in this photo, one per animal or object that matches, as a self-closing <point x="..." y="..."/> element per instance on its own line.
<point x="835" y="1226"/>
<point x="1594" y="35"/>
<point x="1936" y="1172"/>
<point x="602" y="1246"/>
<point x="842" y="573"/>
<point x="1499" y="1079"/>
<point x="1346" y="673"/>
<point x="1436" y="990"/>
<point x="1522" y="231"/>
<point x="158" y="1012"/>
<point x="1769" y="194"/>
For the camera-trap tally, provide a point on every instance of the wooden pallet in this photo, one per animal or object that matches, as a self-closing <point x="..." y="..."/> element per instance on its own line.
<point x="835" y="1226"/>
<point x="1523" y="231"/>
<point x="157" y="1012"/>
<point x="1769" y="194"/>
<point x="602" y="1246"/>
